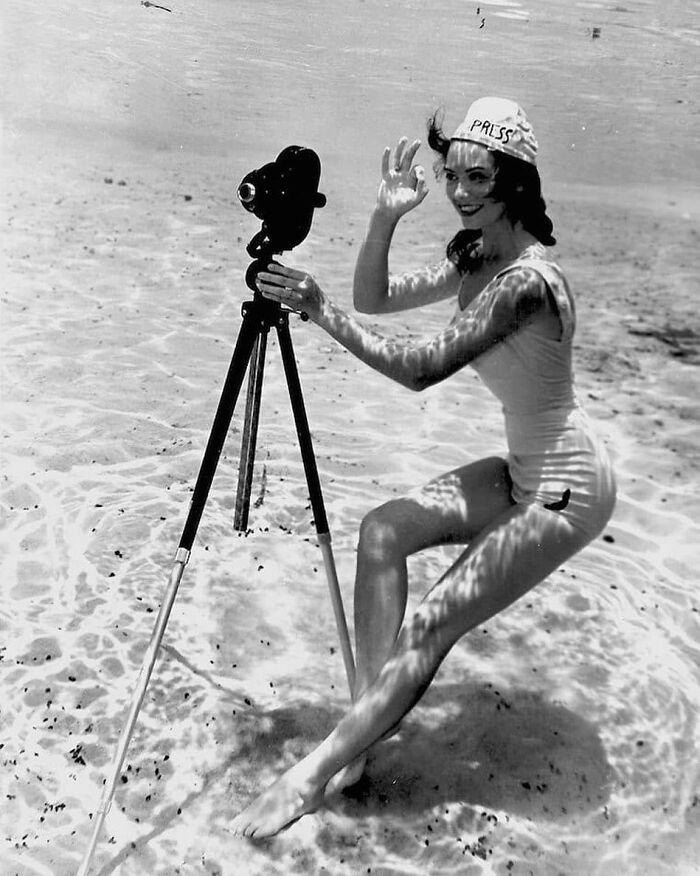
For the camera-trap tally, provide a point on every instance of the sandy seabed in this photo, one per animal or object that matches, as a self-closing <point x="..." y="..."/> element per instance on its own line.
<point x="561" y="738"/>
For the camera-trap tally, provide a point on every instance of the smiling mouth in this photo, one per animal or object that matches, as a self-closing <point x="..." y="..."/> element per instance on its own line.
<point x="469" y="211"/>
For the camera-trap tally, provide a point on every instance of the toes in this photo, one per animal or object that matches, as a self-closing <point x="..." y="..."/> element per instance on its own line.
<point x="274" y="811"/>
<point x="240" y="826"/>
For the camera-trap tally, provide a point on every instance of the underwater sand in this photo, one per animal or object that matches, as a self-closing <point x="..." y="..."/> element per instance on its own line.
<point x="562" y="737"/>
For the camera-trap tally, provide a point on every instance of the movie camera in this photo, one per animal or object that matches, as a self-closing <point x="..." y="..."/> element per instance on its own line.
<point x="283" y="194"/>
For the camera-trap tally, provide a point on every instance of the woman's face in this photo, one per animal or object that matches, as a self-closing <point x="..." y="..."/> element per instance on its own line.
<point x="470" y="176"/>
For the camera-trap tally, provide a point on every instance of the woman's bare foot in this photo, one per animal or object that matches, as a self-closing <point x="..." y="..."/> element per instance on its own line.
<point x="291" y="796"/>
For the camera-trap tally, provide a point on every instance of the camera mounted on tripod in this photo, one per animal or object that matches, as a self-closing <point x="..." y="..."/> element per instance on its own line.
<point x="284" y="195"/>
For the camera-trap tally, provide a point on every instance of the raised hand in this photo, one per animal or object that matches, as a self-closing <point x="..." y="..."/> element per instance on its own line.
<point x="403" y="185"/>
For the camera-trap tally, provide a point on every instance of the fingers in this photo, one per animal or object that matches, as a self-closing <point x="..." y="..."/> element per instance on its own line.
<point x="274" y="289"/>
<point x="399" y="154"/>
<point x="402" y="159"/>
<point x="288" y="286"/>
<point x="404" y="155"/>
<point x="285" y="272"/>
<point x="410" y="153"/>
<point x="276" y="284"/>
<point x="385" y="161"/>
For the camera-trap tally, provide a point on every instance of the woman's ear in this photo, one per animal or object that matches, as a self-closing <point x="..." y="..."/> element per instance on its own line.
<point x="439" y="168"/>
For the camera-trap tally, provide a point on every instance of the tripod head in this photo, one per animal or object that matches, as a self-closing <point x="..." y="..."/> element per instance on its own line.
<point x="284" y="195"/>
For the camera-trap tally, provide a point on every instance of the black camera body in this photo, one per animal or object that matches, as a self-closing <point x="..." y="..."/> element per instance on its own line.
<point x="284" y="195"/>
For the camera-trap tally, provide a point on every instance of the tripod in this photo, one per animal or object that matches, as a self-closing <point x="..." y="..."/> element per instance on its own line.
<point x="259" y="316"/>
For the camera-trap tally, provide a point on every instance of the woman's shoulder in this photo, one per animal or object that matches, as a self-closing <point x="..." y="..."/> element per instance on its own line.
<point x="533" y="268"/>
<point x="534" y="258"/>
<point x="541" y="279"/>
<point x="532" y="287"/>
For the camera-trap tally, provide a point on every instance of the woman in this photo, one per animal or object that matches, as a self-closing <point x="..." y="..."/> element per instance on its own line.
<point x="520" y="518"/>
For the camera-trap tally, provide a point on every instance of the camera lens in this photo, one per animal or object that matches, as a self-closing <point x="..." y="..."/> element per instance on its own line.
<point x="246" y="193"/>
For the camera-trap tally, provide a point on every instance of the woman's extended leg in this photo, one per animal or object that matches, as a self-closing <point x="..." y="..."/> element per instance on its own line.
<point x="517" y="551"/>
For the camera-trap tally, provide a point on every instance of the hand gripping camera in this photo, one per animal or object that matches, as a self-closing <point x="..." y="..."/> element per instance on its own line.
<point x="284" y="195"/>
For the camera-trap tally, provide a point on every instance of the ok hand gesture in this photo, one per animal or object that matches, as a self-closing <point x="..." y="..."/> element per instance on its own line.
<point x="403" y="186"/>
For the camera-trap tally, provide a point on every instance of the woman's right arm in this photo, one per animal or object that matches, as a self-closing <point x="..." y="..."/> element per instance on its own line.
<point x="402" y="189"/>
<point x="518" y="298"/>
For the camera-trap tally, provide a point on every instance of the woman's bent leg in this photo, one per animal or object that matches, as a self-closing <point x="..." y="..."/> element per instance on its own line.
<point x="519" y="549"/>
<point x="450" y="509"/>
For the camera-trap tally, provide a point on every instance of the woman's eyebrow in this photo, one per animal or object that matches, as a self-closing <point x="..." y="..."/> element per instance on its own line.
<point x="467" y="169"/>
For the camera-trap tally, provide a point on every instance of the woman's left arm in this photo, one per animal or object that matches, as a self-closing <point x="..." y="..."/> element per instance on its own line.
<point x="494" y="315"/>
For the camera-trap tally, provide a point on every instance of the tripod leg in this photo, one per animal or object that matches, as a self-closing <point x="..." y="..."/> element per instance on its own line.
<point x="314" y="484"/>
<point x="250" y="433"/>
<point x="137" y="699"/>
<point x="222" y="420"/>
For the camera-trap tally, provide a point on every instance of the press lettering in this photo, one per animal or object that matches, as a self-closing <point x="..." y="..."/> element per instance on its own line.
<point x="489" y="129"/>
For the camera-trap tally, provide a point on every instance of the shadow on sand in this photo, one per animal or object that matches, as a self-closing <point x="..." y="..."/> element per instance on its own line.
<point x="473" y="744"/>
<point x="466" y="745"/>
<point x="508" y="750"/>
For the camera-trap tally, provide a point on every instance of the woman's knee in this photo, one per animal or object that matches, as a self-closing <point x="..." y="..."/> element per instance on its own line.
<point x="380" y="532"/>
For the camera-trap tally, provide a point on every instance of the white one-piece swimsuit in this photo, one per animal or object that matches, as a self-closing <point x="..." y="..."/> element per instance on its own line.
<point x="554" y="456"/>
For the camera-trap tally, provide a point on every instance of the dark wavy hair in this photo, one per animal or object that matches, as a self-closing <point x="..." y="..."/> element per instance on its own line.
<point x="517" y="185"/>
